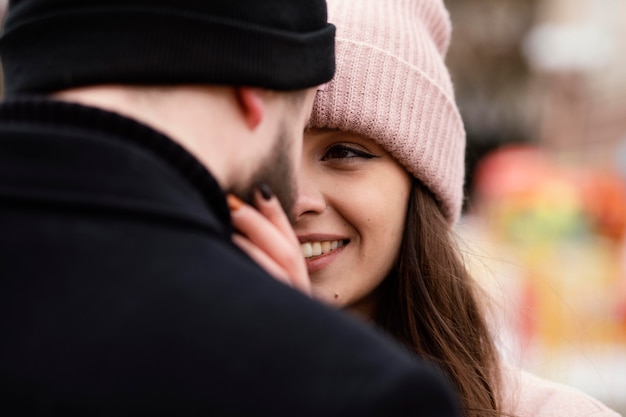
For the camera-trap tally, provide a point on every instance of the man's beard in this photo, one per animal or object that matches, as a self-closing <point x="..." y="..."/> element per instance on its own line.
<point x="276" y="172"/>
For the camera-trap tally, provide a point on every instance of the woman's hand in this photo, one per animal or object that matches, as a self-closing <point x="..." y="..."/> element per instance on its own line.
<point x="266" y="236"/>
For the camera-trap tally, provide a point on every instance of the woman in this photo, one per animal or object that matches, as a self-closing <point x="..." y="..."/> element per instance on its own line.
<point x="380" y="189"/>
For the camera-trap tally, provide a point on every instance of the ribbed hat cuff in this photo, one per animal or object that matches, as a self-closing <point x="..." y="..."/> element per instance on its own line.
<point x="404" y="111"/>
<point x="153" y="46"/>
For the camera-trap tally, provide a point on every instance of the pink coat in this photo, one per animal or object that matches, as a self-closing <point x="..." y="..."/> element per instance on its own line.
<point x="526" y="395"/>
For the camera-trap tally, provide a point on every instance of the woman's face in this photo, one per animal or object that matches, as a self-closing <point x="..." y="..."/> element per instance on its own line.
<point x="349" y="215"/>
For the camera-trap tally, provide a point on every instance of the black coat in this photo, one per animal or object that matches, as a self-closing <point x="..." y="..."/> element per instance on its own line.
<point x="122" y="295"/>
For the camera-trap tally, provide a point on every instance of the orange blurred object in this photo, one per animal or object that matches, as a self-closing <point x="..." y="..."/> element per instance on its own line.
<point x="604" y="200"/>
<point x="512" y="169"/>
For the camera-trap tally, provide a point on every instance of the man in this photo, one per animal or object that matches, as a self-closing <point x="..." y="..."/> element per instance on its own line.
<point x="121" y="292"/>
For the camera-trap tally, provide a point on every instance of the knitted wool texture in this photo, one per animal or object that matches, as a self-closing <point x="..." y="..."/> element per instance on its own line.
<point x="392" y="86"/>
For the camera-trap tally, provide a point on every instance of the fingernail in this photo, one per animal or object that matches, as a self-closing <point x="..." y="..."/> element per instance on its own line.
<point x="266" y="191"/>
<point x="234" y="203"/>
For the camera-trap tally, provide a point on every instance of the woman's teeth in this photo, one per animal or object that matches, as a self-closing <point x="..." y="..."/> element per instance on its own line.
<point x="311" y="249"/>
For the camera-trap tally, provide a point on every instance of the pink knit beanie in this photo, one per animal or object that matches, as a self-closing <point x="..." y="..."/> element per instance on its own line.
<point x="392" y="86"/>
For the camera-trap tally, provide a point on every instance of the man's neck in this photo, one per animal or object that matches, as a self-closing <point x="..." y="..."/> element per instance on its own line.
<point x="196" y="117"/>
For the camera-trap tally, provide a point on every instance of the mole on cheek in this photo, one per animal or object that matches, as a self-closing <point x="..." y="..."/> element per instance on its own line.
<point x="336" y="296"/>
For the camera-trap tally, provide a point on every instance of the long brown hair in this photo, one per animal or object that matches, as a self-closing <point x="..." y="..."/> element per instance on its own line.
<point x="429" y="302"/>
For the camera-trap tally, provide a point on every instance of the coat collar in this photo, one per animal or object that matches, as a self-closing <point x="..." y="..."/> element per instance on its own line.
<point x="96" y="157"/>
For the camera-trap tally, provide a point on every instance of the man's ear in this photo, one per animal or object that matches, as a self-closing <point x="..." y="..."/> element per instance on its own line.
<point x="252" y="105"/>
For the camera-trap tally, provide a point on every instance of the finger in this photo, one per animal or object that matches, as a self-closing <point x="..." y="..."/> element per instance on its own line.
<point x="265" y="235"/>
<point x="267" y="203"/>
<point x="274" y="269"/>
<point x="264" y="261"/>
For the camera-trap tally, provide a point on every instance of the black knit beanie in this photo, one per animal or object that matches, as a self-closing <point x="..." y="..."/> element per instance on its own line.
<point x="51" y="45"/>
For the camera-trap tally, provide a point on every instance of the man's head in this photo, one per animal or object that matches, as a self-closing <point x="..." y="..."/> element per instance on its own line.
<point x="278" y="167"/>
<point x="266" y="51"/>
<point x="52" y="45"/>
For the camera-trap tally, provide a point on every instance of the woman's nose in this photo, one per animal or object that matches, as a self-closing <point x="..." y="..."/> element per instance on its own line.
<point x="309" y="197"/>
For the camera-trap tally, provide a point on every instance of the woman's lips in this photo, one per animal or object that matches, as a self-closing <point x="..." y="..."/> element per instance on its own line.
<point x="320" y="251"/>
<point x="314" y="249"/>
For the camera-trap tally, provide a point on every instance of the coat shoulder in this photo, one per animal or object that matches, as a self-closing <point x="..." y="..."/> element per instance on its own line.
<point x="526" y="395"/>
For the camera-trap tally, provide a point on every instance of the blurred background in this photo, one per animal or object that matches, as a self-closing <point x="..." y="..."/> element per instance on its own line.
<point x="541" y="85"/>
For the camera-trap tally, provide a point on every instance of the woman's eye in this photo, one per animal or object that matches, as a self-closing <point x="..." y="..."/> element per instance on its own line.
<point x="345" y="152"/>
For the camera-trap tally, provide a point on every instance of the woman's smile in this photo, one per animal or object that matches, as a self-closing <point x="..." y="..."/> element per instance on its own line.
<point x="319" y="250"/>
<point x="313" y="250"/>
